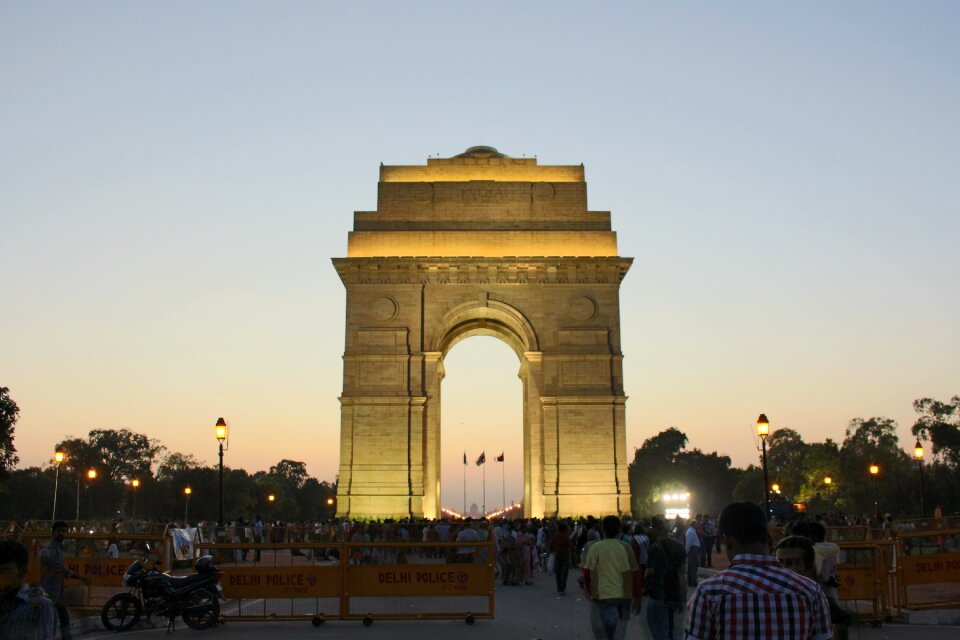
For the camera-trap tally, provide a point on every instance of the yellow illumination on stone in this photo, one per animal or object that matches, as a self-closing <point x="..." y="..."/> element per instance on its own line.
<point x="484" y="244"/>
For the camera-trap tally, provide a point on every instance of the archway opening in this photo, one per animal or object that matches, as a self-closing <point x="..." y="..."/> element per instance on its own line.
<point x="481" y="413"/>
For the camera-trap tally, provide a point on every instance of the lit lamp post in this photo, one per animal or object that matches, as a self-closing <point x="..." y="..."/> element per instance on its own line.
<point x="221" y="437"/>
<point x="91" y="476"/>
<point x="186" y="507"/>
<point x="827" y="480"/>
<point x="135" y="483"/>
<point x="918" y="454"/>
<point x="58" y="457"/>
<point x="875" y="471"/>
<point x="763" y="430"/>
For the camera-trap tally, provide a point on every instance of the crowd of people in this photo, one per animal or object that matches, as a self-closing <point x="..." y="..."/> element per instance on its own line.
<point x="651" y="567"/>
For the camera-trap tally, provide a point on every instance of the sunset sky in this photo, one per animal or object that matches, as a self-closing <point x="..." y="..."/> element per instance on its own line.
<point x="175" y="178"/>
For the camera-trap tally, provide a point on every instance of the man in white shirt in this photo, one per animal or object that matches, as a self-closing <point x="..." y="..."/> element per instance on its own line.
<point x="692" y="545"/>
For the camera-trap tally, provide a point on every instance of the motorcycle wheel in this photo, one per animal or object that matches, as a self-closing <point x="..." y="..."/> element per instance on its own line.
<point x="201" y="610"/>
<point x="121" y="612"/>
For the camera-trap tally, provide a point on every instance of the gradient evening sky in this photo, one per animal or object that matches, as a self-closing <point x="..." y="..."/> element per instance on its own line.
<point x="175" y="177"/>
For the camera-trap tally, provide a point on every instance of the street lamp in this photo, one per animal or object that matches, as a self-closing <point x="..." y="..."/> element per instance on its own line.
<point x="221" y="431"/>
<point x="135" y="483"/>
<point x="91" y="476"/>
<point x="186" y="507"/>
<point x="763" y="430"/>
<point x="875" y="471"/>
<point x="827" y="480"/>
<point x="775" y="487"/>
<point x="918" y="454"/>
<point x="58" y="457"/>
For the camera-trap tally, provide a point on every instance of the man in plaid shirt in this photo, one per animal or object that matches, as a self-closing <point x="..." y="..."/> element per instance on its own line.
<point x="756" y="597"/>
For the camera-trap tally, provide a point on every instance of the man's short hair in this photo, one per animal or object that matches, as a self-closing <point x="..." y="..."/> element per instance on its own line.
<point x="818" y="532"/>
<point x="611" y="527"/>
<point x="744" y="522"/>
<point x="13" y="551"/>
<point x="799" y="542"/>
<point x="59" y="524"/>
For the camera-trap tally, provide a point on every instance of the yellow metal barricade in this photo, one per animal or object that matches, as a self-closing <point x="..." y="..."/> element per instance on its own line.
<point x="86" y="548"/>
<point x="848" y="534"/>
<point x="863" y="579"/>
<point x="281" y="581"/>
<point x="928" y="568"/>
<point x="9" y="529"/>
<point x="362" y="579"/>
<point x="403" y="581"/>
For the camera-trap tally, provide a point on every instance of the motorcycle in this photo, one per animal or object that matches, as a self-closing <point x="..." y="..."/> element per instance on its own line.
<point x="195" y="597"/>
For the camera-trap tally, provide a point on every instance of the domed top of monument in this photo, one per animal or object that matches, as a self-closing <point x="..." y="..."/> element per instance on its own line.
<point x="481" y="152"/>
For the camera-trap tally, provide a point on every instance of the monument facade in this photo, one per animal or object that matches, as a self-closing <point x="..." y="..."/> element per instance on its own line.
<point x="482" y="244"/>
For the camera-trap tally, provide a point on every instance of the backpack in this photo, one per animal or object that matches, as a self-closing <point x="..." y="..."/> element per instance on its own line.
<point x="674" y="582"/>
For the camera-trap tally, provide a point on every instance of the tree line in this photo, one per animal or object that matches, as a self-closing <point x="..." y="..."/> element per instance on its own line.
<point x="120" y="456"/>
<point x="663" y="465"/>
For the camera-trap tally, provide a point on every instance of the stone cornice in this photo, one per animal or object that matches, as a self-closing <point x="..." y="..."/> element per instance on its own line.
<point x="507" y="270"/>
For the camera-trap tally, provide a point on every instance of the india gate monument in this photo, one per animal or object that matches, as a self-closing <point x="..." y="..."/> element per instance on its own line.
<point x="482" y="244"/>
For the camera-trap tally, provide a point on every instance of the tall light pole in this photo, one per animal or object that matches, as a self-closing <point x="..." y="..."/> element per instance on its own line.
<point x="186" y="507"/>
<point x="221" y="431"/>
<point x="763" y="430"/>
<point x="58" y="457"/>
<point x="875" y="471"/>
<point x="827" y="480"/>
<point x="918" y="454"/>
<point x="135" y="483"/>
<point x="91" y="476"/>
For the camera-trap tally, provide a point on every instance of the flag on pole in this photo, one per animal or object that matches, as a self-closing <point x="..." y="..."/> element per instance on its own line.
<point x="499" y="458"/>
<point x="464" y="457"/>
<point x="482" y="458"/>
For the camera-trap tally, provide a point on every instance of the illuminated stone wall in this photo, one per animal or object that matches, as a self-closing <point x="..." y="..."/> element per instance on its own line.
<point x="482" y="244"/>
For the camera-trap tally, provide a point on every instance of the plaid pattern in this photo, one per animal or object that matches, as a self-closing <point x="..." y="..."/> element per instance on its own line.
<point x="758" y="598"/>
<point x="32" y="617"/>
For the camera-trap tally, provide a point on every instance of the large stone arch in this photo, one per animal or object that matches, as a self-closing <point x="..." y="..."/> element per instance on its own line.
<point x="482" y="244"/>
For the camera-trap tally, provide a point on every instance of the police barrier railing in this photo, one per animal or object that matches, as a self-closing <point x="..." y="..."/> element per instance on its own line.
<point x="863" y="578"/>
<point x="356" y="580"/>
<point x="88" y="551"/>
<point x="928" y="568"/>
<point x="856" y="533"/>
<point x="397" y="580"/>
<point x="9" y="529"/>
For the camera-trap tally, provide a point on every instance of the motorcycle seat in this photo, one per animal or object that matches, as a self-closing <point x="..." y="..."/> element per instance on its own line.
<point x="178" y="582"/>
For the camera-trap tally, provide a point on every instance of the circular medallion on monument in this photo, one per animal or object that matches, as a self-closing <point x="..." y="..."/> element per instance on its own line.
<point x="384" y="309"/>
<point x="583" y="308"/>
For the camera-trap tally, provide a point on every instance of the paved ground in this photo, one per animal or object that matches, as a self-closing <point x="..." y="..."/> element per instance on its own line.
<point x="522" y="613"/>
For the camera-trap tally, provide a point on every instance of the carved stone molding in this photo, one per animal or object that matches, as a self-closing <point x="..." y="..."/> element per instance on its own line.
<point x="520" y="270"/>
